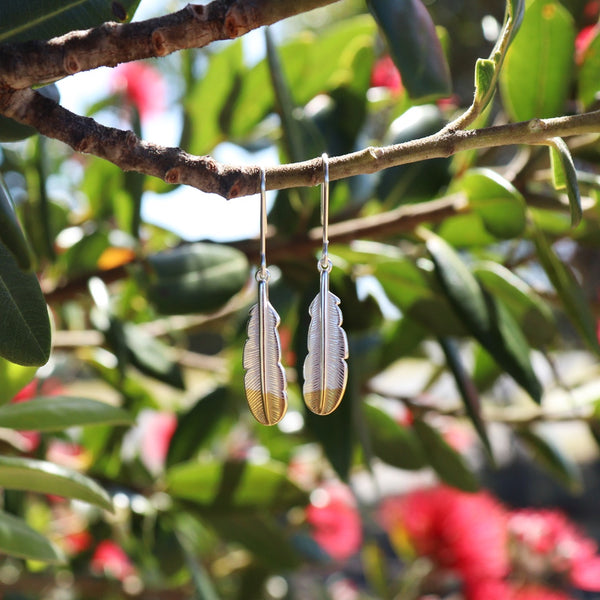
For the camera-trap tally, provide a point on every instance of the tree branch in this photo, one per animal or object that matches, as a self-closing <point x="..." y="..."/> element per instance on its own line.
<point x="29" y="63"/>
<point x="173" y="165"/>
<point x="403" y="219"/>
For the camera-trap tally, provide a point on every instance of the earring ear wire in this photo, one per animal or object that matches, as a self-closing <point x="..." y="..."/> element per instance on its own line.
<point x="264" y="381"/>
<point x="325" y="367"/>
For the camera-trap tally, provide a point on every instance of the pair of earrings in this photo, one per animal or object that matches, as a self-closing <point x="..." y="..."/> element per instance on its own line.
<point x="325" y="368"/>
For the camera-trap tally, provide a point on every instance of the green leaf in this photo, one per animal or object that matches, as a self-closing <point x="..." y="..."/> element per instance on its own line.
<point x="468" y="391"/>
<point x="533" y="314"/>
<point x="54" y="413"/>
<point x="485" y="70"/>
<point x="210" y="93"/>
<point x="537" y="72"/>
<point x="446" y="462"/>
<point x="18" y="539"/>
<point x="569" y="291"/>
<point x="14" y="378"/>
<point x="234" y="485"/>
<point x="414" y="46"/>
<point x="11" y="234"/>
<point x="151" y="356"/>
<point x="484" y="316"/>
<point x="494" y="200"/>
<point x="48" y="478"/>
<point x="44" y="19"/>
<point x="25" y="330"/>
<point x="196" y="278"/>
<point x="589" y="74"/>
<point x="565" y="176"/>
<point x="393" y="443"/>
<point x="552" y="459"/>
<point x="195" y="426"/>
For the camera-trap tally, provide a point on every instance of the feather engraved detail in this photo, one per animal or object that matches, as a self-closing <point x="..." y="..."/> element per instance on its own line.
<point x="325" y="368"/>
<point x="264" y="380"/>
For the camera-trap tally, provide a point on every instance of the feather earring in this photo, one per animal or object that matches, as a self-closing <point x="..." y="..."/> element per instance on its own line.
<point x="325" y="368"/>
<point x="264" y="381"/>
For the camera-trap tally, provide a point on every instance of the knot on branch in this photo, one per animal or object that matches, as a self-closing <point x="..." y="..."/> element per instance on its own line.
<point x="237" y="22"/>
<point x="71" y="64"/>
<point x="159" y="43"/>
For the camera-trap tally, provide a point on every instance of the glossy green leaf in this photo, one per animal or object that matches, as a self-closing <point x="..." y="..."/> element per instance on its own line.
<point x="195" y="426"/>
<point x="304" y="69"/>
<point x="393" y="443"/>
<point x="196" y="278"/>
<point x="536" y="77"/>
<point x="44" y="19"/>
<point x="209" y="95"/>
<point x="20" y="540"/>
<point x="484" y="316"/>
<point x="54" y="413"/>
<point x="238" y="485"/>
<point x="448" y="464"/>
<point x="25" y="329"/>
<point x="417" y="181"/>
<point x="533" y="314"/>
<point x="14" y="378"/>
<point x="565" y="176"/>
<point x="151" y="356"/>
<point x="468" y="391"/>
<point x="588" y="79"/>
<point x="47" y="478"/>
<point x="494" y="200"/>
<point x="11" y="234"/>
<point x="485" y="369"/>
<point x="414" y="46"/>
<point x="569" y="291"/>
<point x="550" y="458"/>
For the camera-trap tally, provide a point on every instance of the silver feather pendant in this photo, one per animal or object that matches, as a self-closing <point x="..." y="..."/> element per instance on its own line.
<point x="325" y="367"/>
<point x="264" y="380"/>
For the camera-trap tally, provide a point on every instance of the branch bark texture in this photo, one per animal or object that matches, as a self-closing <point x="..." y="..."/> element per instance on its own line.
<point x="195" y="26"/>
<point x="173" y="165"/>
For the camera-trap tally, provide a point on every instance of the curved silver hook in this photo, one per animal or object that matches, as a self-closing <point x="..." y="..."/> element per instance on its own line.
<point x="324" y="262"/>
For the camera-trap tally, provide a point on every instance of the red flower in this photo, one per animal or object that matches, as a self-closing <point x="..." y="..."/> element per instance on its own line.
<point x="583" y="40"/>
<point x="110" y="559"/>
<point x="157" y="429"/>
<point x="77" y="542"/>
<point x="548" y="541"/>
<point x="335" y="521"/>
<point x="462" y="532"/>
<point x="142" y="85"/>
<point x="385" y="74"/>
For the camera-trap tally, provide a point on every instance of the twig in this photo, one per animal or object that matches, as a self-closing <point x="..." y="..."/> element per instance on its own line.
<point x="173" y="165"/>
<point x="25" y="64"/>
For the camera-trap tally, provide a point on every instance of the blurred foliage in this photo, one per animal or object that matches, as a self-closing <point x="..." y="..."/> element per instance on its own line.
<point x="458" y="330"/>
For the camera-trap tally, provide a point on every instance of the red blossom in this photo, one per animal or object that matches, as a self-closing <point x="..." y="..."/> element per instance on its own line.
<point x="385" y="74"/>
<point x="157" y="429"/>
<point x="77" y="542"/>
<point x="110" y="559"/>
<point x="335" y="521"/>
<point x="583" y="40"/>
<point x="462" y="532"/>
<point x="548" y="539"/>
<point x="142" y="85"/>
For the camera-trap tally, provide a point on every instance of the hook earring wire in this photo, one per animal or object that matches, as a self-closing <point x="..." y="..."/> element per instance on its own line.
<point x="324" y="262"/>
<point x="263" y="273"/>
